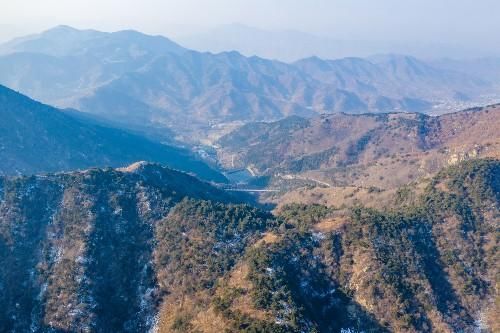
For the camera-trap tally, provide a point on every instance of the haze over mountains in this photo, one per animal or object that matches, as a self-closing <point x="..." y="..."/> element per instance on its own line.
<point x="292" y="45"/>
<point x="38" y="138"/>
<point x="149" y="81"/>
<point x="170" y="190"/>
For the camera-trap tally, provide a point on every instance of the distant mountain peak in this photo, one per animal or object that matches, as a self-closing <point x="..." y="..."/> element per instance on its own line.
<point x="313" y="58"/>
<point x="64" y="40"/>
<point x="61" y="28"/>
<point x="64" y="32"/>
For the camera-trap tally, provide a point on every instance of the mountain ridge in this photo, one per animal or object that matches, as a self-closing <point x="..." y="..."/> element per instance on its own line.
<point x="73" y="224"/>
<point x="381" y="150"/>
<point x="126" y="251"/>
<point x="167" y="86"/>
<point x="35" y="137"/>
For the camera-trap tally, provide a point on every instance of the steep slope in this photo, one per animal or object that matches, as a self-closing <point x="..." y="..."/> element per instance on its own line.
<point x="78" y="249"/>
<point x="196" y="88"/>
<point x="429" y="267"/>
<point x="35" y="137"/>
<point x="419" y="269"/>
<point x="383" y="150"/>
<point x="126" y="251"/>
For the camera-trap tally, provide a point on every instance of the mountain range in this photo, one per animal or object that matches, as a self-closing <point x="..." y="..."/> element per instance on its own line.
<point x="147" y="248"/>
<point x="373" y="215"/>
<point x="37" y="138"/>
<point x="149" y="82"/>
<point x="382" y="150"/>
<point x="293" y="45"/>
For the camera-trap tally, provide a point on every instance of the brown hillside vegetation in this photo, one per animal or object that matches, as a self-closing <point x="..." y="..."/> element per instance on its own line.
<point x="76" y="248"/>
<point x="381" y="150"/>
<point x="143" y="249"/>
<point x="426" y="266"/>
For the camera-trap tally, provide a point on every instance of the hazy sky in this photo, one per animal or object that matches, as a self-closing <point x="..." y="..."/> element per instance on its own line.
<point x="468" y="22"/>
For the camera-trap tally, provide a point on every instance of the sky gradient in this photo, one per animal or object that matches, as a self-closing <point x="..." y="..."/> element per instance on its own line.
<point x="463" y="22"/>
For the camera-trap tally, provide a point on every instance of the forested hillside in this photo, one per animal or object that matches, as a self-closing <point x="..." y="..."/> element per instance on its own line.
<point x="77" y="249"/>
<point x="278" y="177"/>
<point x="36" y="138"/>
<point x="427" y="267"/>
<point x="383" y="150"/>
<point x="132" y="249"/>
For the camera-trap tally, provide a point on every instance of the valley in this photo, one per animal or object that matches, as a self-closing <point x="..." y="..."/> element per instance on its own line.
<point x="37" y="138"/>
<point x="149" y="187"/>
<point x="331" y="153"/>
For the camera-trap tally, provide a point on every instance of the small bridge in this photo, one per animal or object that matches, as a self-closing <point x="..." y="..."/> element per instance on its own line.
<point x="250" y="190"/>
